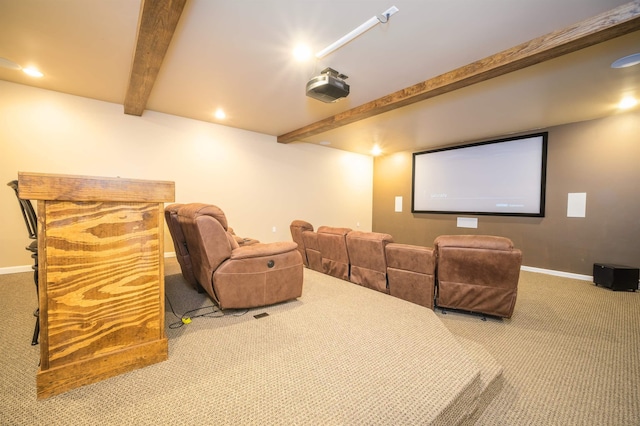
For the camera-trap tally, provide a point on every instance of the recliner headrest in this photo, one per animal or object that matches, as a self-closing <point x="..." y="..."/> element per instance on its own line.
<point x="333" y="230"/>
<point x="370" y="236"/>
<point x="490" y="242"/>
<point x="194" y="210"/>
<point x="302" y="224"/>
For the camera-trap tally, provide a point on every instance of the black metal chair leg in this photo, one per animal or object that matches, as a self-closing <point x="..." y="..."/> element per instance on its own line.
<point x="31" y="220"/>
<point x="36" y="331"/>
<point x="36" y="313"/>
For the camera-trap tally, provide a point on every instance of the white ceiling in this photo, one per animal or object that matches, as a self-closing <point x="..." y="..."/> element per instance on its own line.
<point x="237" y="55"/>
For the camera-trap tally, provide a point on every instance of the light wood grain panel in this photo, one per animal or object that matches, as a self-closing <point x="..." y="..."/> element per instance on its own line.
<point x="38" y="186"/>
<point x="101" y="273"/>
<point x="103" y="286"/>
<point x="55" y="381"/>
<point x="606" y="26"/>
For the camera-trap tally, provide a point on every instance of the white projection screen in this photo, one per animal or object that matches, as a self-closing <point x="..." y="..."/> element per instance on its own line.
<point x="500" y="177"/>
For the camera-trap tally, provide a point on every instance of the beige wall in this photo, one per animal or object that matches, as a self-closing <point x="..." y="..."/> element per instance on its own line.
<point x="599" y="157"/>
<point x="259" y="183"/>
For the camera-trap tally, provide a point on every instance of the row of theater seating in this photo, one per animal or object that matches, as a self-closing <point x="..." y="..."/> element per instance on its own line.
<point x="476" y="273"/>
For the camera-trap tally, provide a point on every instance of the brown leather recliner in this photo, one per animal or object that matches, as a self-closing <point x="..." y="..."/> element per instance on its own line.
<point x="411" y="273"/>
<point x="180" y="244"/>
<point x="368" y="259"/>
<point x="297" y="227"/>
<point x="312" y="249"/>
<point x="238" y="277"/>
<point x="477" y="273"/>
<point x="333" y="248"/>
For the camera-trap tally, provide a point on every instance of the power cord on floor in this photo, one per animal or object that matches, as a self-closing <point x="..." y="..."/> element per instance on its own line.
<point x="187" y="317"/>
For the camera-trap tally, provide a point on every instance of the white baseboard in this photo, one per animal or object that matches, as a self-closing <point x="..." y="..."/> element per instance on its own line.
<point x="27" y="268"/>
<point x="557" y="273"/>
<point x="15" y="269"/>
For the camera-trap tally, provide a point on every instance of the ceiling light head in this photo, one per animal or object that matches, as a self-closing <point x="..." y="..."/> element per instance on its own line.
<point x="376" y="150"/>
<point x="627" y="102"/>
<point x="220" y="114"/>
<point x="627" y="61"/>
<point x="302" y="53"/>
<point x="32" y="72"/>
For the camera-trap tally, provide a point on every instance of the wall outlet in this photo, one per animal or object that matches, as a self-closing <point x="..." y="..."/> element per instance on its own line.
<point x="273" y="229"/>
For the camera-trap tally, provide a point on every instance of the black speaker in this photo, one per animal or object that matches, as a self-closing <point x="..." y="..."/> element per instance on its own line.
<point x="616" y="277"/>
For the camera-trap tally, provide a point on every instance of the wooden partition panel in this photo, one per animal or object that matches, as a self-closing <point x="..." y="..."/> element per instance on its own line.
<point x="101" y="274"/>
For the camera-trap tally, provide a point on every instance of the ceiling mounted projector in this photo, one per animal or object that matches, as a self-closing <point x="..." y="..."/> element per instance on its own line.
<point x="329" y="86"/>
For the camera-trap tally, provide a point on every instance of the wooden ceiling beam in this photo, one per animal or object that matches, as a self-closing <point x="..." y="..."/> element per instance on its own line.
<point x="606" y="26"/>
<point x="156" y="25"/>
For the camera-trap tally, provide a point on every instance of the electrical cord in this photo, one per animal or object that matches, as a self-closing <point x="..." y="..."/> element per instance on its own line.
<point x="187" y="317"/>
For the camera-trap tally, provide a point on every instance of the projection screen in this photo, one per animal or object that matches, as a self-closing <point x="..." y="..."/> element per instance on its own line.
<point x="498" y="177"/>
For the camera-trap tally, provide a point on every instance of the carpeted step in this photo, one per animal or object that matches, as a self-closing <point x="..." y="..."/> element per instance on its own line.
<point x="490" y="377"/>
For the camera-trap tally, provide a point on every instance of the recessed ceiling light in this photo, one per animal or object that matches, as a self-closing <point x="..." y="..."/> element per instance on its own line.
<point x="627" y="102"/>
<point x="375" y="151"/>
<point x="32" y="72"/>
<point x="301" y="52"/>
<point x="6" y="63"/>
<point x="220" y="114"/>
<point x="627" y="61"/>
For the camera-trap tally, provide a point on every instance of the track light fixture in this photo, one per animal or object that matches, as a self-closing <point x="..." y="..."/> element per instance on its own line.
<point x="380" y="19"/>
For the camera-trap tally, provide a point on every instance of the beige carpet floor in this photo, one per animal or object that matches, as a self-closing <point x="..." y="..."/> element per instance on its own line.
<point x="569" y="356"/>
<point x="341" y="354"/>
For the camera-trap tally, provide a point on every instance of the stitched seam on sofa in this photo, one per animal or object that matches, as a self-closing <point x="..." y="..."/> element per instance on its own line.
<point x="259" y="272"/>
<point x="479" y="285"/>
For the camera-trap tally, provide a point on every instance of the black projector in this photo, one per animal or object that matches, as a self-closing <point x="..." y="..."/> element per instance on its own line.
<point x="329" y="86"/>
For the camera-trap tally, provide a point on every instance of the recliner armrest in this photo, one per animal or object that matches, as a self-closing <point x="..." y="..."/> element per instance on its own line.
<point x="263" y="249"/>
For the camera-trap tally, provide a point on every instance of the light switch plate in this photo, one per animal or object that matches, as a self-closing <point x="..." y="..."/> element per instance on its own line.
<point x="467" y="222"/>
